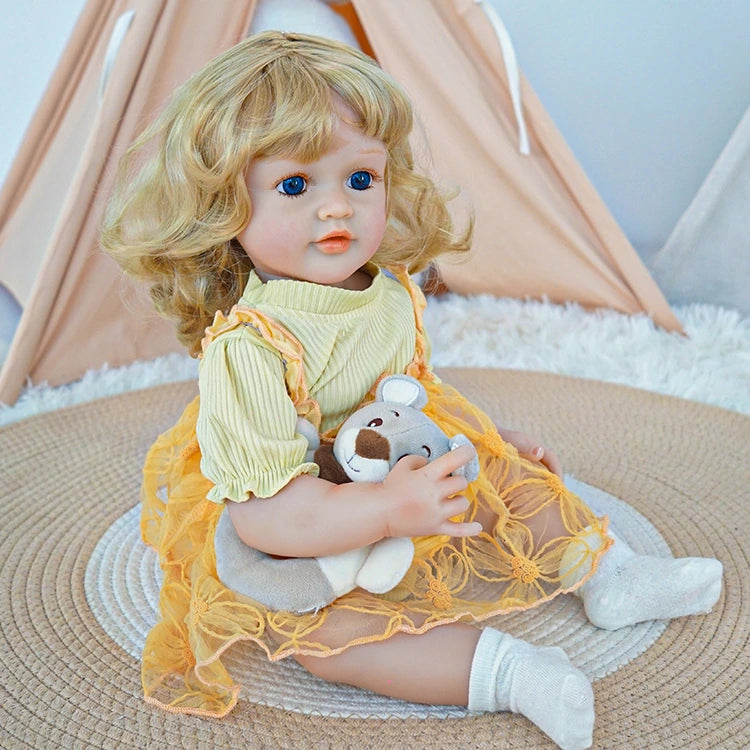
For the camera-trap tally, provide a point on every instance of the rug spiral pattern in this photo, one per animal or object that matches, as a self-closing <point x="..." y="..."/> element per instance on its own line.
<point x="68" y="476"/>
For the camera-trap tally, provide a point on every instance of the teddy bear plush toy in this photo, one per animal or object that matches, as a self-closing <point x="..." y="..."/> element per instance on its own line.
<point x="366" y="448"/>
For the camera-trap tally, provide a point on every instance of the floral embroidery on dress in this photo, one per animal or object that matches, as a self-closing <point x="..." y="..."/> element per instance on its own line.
<point x="525" y="569"/>
<point x="439" y="594"/>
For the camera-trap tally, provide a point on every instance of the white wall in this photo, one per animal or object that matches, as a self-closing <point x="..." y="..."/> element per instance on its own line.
<point x="32" y="36"/>
<point x="646" y="92"/>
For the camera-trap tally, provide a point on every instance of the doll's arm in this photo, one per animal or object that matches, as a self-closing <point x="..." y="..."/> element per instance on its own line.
<point x="532" y="449"/>
<point x="312" y="517"/>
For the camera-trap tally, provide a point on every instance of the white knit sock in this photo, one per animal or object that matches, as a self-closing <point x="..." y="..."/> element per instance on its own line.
<point x="508" y="674"/>
<point x="628" y="588"/>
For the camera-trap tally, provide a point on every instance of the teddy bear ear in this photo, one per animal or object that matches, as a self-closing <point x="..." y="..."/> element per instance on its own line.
<point x="402" y="389"/>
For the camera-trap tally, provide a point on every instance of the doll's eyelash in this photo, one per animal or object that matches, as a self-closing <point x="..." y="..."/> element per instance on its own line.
<point x="304" y="176"/>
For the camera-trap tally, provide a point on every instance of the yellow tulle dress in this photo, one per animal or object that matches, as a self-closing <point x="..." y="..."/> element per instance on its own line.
<point x="501" y="570"/>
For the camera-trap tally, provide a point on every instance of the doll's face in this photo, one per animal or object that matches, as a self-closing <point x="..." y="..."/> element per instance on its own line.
<point x="318" y="221"/>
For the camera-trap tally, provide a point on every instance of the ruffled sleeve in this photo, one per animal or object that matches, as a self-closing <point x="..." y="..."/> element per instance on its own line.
<point x="246" y="423"/>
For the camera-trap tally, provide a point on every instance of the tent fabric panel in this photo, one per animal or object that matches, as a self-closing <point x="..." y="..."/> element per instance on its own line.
<point x="167" y="41"/>
<point x="166" y="53"/>
<point x="706" y="258"/>
<point x="73" y="243"/>
<point x="538" y="232"/>
<point x="43" y="169"/>
<point x="540" y="212"/>
<point x="53" y="104"/>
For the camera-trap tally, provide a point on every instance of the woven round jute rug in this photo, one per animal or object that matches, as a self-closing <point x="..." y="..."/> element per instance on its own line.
<point x="79" y="588"/>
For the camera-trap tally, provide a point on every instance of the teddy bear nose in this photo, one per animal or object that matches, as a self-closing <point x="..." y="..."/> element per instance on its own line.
<point x="371" y="444"/>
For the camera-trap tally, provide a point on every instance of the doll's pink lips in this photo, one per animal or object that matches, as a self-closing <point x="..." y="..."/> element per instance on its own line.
<point x="335" y="242"/>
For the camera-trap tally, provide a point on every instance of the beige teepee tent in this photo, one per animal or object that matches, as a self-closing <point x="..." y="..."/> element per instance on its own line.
<point x="541" y="228"/>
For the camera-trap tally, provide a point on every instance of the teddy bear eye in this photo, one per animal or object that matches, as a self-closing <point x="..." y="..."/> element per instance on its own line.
<point x="395" y="412"/>
<point x="426" y="449"/>
<point x="377" y="422"/>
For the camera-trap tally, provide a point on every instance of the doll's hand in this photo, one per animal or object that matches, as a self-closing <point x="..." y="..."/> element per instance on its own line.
<point x="532" y="450"/>
<point x="420" y="496"/>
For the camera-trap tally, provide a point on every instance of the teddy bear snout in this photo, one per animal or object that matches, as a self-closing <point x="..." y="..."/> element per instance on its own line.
<point x="371" y="444"/>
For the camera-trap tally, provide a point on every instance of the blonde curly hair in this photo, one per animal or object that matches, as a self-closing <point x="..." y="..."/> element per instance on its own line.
<point x="181" y="197"/>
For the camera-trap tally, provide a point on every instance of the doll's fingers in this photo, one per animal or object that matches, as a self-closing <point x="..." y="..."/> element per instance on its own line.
<point x="412" y="462"/>
<point x="530" y="449"/>
<point x="453" y="484"/>
<point x="460" y="529"/>
<point x="455" y="506"/>
<point x="547" y="458"/>
<point x="451" y="461"/>
<point x="552" y="462"/>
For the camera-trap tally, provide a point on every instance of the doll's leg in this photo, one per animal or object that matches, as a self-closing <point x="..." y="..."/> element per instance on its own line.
<point x="485" y="670"/>
<point x="431" y="668"/>
<point x="545" y="525"/>
<point x="628" y="588"/>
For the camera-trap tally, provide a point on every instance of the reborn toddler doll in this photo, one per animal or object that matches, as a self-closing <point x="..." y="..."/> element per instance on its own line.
<point x="276" y="212"/>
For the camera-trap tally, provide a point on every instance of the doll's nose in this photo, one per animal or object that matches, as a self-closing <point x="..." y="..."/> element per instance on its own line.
<point x="334" y="205"/>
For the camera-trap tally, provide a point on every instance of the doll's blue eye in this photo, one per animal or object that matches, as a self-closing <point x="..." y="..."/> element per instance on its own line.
<point x="292" y="185"/>
<point x="360" y="180"/>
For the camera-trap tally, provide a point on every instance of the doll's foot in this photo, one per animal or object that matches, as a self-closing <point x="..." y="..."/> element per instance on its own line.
<point x="511" y="675"/>
<point x="639" y="588"/>
<point x="549" y="691"/>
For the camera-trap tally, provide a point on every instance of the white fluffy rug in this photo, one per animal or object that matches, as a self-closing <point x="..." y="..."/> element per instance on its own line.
<point x="711" y="364"/>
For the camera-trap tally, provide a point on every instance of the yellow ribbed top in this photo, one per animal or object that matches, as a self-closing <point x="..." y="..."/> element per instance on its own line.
<point x="246" y="424"/>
